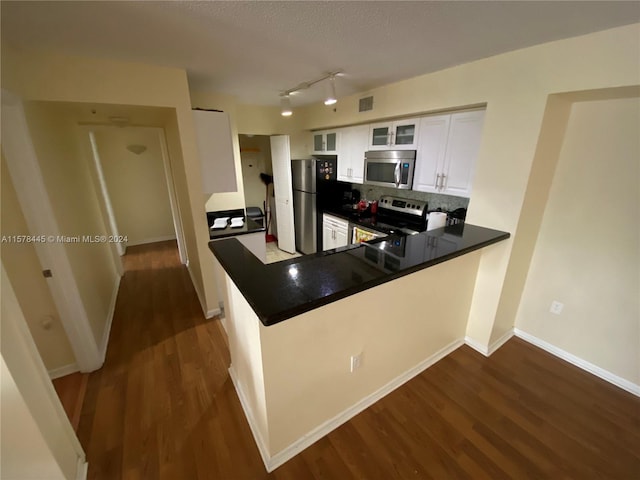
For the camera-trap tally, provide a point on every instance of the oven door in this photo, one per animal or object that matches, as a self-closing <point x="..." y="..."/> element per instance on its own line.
<point x="388" y="172"/>
<point x="360" y="235"/>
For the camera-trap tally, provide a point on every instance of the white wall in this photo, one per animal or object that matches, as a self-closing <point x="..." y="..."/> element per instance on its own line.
<point x="587" y="254"/>
<point x="136" y="183"/>
<point x="37" y="440"/>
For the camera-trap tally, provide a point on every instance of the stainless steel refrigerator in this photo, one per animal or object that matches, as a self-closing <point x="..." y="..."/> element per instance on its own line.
<point x="303" y="179"/>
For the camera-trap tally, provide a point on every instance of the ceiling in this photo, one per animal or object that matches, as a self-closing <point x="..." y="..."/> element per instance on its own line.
<point x="257" y="49"/>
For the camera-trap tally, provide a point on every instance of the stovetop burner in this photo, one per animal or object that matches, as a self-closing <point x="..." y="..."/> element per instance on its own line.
<point x="405" y="215"/>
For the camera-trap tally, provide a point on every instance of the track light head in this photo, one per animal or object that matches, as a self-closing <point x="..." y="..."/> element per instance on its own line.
<point x="331" y="96"/>
<point x="285" y="106"/>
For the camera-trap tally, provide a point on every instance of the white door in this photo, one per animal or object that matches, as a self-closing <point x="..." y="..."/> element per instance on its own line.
<point x="281" y="159"/>
<point x="431" y="153"/>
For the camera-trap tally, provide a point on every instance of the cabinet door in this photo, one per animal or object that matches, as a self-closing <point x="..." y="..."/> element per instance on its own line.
<point x="431" y="152"/>
<point x="327" y="236"/>
<point x="353" y="145"/>
<point x="331" y="141"/>
<point x="341" y="239"/>
<point x="463" y="145"/>
<point x="405" y="134"/>
<point x="318" y="142"/>
<point x="215" y="149"/>
<point x="357" y="149"/>
<point x="380" y="136"/>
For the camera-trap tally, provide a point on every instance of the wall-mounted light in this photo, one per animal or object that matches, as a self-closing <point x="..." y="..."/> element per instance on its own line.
<point x="285" y="105"/>
<point x="331" y="99"/>
<point x="331" y="91"/>
<point x="137" y="149"/>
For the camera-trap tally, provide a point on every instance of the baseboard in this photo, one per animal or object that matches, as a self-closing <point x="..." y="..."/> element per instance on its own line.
<point x="82" y="469"/>
<point x="104" y="343"/>
<point x="203" y="305"/>
<point x="248" y="413"/>
<point x="152" y="240"/>
<point x="273" y="462"/>
<point x="477" y="346"/>
<point x="580" y="363"/>
<point x="63" y="371"/>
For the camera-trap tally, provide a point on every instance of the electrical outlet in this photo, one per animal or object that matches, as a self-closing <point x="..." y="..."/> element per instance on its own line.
<point x="556" y="307"/>
<point x="356" y="362"/>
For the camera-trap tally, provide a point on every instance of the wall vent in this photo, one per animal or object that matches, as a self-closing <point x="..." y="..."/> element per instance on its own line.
<point x="366" y="104"/>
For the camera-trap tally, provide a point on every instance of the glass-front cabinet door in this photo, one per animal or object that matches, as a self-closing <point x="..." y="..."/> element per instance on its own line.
<point x="380" y="135"/>
<point x="331" y="141"/>
<point x="325" y="142"/>
<point x="405" y="134"/>
<point x="318" y="142"/>
<point x="399" y="135"/>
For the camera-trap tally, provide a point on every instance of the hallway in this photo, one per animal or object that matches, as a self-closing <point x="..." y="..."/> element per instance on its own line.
<point x="163" y="405"/>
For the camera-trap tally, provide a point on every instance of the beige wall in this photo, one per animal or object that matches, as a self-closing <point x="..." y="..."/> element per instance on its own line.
<point x="300" y="368"/>
<point x="54" y="77"/>
<point x="37" y="440"/>
<point x="74" y="200"/>
<point x="136" y="184"/>
<point x="587" y="255"/>
<point x="25" y="272"/>
<point x="515" y="87"/>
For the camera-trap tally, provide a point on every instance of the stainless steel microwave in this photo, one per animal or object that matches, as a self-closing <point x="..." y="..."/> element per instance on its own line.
<point x="390" y="168"/>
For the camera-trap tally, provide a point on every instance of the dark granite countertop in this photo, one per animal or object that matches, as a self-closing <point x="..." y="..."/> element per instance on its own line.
<point x="249" y="226"/>
<point x="282" y="290"/>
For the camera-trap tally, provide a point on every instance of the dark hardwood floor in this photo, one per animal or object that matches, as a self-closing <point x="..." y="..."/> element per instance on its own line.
<point x="163" y="406"/>
<point x="71" y="389"/>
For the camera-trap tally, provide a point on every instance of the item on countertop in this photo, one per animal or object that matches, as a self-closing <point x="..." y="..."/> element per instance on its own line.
<point x="220" y="223"/>
<point x="374" y="207"/>
<point x="436" y="220"/>
<point x="237" y="222"/>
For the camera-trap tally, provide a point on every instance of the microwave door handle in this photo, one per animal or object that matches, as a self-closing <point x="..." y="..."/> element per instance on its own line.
<point x="397" y="174"/>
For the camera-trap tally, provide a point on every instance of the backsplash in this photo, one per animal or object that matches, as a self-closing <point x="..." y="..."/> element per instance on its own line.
<point x="434" y="200"/>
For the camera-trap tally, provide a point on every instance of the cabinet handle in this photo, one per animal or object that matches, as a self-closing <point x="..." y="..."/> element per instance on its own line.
<point x="437" y="181"/>
<point x="442" y="183"/>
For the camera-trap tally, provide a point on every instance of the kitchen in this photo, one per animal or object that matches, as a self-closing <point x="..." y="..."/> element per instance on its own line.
<point x="387" y="246"/>
<point x="520" y="108"/>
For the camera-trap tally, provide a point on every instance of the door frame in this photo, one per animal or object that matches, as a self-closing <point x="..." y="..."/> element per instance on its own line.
<point x="23" y="166"/>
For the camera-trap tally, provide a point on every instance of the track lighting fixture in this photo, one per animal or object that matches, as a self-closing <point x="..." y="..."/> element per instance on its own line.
<point x="331" y="99"/>
<point x="331" y="87"/>
<point x="285" y="105"/>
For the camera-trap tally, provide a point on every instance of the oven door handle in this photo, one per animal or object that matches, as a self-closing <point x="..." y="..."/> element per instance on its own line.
<point x="396" y="174"/>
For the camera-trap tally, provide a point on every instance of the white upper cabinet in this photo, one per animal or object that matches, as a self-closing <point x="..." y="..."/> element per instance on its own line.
<point x="447" y="153"/>
<point x="325" y="142"/>
<point x="215" y="149"/>
<point x="398" y="135"/>
<point x="353" y="145"/>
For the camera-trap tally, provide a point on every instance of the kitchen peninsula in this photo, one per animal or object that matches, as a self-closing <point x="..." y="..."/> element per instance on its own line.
<point x="316" y="339"/>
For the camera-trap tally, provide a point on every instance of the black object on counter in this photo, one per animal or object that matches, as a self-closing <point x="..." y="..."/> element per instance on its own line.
<point x="282" y="290"/>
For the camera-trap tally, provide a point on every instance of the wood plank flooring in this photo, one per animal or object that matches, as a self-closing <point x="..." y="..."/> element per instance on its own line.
<point x="71" y="390"/>
<point x="163" y="406"/>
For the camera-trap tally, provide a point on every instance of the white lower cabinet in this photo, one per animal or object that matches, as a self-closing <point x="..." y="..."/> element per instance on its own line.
<point x="335" y="232"/>
<point x="448" y="148"/>
<point x="353" y="145"/>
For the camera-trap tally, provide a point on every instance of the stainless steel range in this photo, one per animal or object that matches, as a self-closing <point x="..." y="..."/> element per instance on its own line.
<point x="396" y="215"/>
